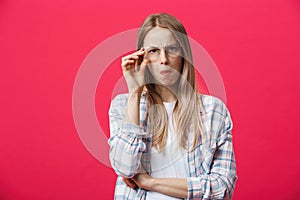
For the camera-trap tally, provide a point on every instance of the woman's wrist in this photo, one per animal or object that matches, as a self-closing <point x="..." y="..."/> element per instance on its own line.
<point x="132" y="112"/>
<point x="148" y="185"/>
<point x="136" y="91"/>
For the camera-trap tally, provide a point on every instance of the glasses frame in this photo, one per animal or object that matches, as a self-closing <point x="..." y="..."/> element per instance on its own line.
<point x="167" y="52"/>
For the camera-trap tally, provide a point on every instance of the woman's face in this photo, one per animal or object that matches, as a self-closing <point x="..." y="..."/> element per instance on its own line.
<point x="162" y="52"/>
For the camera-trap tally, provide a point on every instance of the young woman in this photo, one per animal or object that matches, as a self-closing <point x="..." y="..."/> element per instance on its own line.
<point x="167" y="140"/>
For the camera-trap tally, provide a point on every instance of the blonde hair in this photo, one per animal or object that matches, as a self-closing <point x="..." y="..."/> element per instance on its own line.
<point x="186" y="114"/>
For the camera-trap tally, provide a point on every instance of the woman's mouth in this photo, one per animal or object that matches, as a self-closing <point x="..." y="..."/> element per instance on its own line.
<point x="164" y="72"/>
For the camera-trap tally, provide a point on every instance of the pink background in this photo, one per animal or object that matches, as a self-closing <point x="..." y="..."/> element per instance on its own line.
<point x="255" y="45"/>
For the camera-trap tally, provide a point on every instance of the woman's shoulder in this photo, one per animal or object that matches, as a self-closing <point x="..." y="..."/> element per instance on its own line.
<point x="210" y="99"/>
<point x="122" y="98"/>
<point x="119" y="101"/>
<point x="213" y="103"/>
<point x="217" y="114"/>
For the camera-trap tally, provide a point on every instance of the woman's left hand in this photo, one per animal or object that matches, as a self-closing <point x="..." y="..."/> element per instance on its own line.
<point x="130" y="183"/>
<point x="176" y="187"/>
<point x="143" y="180"/>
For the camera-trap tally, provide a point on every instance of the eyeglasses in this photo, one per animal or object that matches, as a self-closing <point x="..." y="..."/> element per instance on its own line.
<point x="153" y="53"/>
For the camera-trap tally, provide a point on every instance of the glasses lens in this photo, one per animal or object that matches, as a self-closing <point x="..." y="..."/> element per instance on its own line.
<point x="173" y="51"/>
<point x="153" y="53"/>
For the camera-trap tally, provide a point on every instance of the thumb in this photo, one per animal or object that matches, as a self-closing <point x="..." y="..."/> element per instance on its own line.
<point x="144" y="65"/>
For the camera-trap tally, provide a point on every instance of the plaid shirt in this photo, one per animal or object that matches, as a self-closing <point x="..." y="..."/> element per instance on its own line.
<point x="211" y="164"/>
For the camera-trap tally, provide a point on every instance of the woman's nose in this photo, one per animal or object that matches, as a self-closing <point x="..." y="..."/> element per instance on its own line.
<point x="163" y="57"/>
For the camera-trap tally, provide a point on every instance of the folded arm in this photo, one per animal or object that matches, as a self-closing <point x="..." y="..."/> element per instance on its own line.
<point x="218" y="176"/>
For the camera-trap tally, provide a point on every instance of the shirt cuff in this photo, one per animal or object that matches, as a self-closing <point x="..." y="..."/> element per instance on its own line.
<point x="194" y="188"/>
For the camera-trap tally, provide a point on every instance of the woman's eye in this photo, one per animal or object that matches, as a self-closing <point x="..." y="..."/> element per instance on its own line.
<point x="173" y="49"/>
<point x="152" y="50"/>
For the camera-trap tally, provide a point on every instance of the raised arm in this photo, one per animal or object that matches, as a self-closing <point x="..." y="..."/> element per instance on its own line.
<point x="126" y="145"/>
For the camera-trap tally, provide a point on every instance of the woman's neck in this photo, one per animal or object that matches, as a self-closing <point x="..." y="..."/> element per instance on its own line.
<point x="167" y="94"/>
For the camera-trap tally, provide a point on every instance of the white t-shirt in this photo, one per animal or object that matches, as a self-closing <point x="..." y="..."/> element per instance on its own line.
<point x="169" y="163"/>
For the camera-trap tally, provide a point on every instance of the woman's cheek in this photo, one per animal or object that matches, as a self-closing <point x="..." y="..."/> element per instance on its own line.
<point x="153" y="70"/>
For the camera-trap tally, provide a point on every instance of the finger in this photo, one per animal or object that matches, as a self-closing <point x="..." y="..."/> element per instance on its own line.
<point x="131" y="60"/>
<point x="144" y="65"/>
<point x="136" y="66"/>
<point x="145" y="62"/>
<point x="127" y="62"/>
<point x="127" y="65"/>
<point x="134" y="55"/>
<point x="131" y="56"/>
<point x="129" y="183"/>
<point x="132" y="184"/>
<point x="139" y="52"/>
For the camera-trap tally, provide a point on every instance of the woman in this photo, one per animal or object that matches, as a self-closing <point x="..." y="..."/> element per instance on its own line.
<point x="167" y="140"/>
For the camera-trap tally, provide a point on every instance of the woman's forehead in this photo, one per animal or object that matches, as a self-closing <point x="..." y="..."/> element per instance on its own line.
<point x="159" y="37"/>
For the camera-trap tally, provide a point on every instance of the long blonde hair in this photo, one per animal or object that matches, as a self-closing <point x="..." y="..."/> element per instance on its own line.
<point x="186" y="114"/>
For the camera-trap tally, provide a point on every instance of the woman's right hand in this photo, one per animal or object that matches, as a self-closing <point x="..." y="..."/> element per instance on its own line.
<point x="134" y="75"/>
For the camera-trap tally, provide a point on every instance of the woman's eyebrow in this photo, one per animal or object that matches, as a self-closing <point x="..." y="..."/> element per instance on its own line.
<point x="175" y="44"/>
<point x="153" y="46"/>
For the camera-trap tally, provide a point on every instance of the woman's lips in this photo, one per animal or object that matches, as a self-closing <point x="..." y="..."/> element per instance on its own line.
<point x="164" y="72"/>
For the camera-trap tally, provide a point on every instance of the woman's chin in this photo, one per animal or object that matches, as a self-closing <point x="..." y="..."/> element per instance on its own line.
<point x="166" y="83"/>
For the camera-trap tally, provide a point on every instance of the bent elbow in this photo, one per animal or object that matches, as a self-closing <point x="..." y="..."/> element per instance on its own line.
<point x="127" y="165"/>
<point x="224" y="189"/>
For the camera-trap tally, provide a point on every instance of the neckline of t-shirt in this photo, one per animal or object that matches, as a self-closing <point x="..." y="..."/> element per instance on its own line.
<point x="169" y="103"/>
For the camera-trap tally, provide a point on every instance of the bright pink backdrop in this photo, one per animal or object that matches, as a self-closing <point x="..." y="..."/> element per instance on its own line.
<point x="255" y="45"/>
